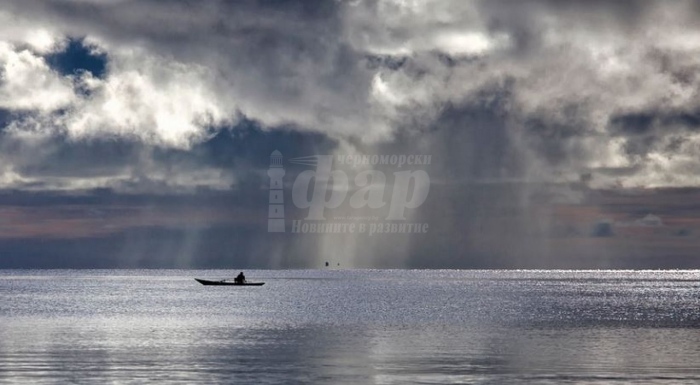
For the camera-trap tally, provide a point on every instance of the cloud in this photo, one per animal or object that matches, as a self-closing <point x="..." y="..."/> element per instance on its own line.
<point x="609" y="85"/>
<point x="564" y="81"/>
<point x="650" y="220"/>
<point x="523" y="105"/>
<point x="29" y="84"/>
<point x="221" y="60"/>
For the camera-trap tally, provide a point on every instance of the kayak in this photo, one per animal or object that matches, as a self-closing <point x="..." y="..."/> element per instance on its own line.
<point x="224" y="282"/>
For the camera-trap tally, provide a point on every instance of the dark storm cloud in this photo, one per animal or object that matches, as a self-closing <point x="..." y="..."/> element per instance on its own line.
<point x="228" y="160"/>
<point x="527" y="108"/>
<point x="564" y="74"/>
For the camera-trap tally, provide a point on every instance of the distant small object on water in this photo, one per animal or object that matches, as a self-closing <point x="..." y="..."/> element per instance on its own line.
<point x="326" y="263"/>
<point x="224" y="282"/>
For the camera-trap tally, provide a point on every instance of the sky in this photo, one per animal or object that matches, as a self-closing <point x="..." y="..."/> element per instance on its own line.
<point x="561" y="134"/>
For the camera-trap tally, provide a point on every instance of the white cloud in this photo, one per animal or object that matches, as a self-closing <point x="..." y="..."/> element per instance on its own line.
<point x="562" y="74"/>
<point x="27" y="82"/>
<point x="143" y="97"/>
<point x="157" y="101"/>
<point x="467" y="43"/>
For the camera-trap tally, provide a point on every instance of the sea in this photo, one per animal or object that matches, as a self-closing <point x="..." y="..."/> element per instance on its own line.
<point x="350" y="327"/>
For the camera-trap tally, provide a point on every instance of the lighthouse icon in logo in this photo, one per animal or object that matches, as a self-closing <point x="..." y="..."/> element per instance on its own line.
<point x="275" y="217"/>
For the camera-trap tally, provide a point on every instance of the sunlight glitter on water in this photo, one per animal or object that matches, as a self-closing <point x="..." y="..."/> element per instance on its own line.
<point x="355" y="326"/>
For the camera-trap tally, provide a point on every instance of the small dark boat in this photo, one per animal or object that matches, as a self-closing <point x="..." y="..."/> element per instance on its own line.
<point x="224" y="282"/>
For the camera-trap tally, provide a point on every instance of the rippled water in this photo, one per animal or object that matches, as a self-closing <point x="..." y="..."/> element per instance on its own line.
<point x="353" y="327"/>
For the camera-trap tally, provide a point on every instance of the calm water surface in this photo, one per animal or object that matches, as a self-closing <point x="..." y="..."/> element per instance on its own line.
<point x="350" y="327"/>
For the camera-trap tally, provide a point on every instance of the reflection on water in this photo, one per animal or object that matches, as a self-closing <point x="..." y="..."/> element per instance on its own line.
<point x="383" y="327"/>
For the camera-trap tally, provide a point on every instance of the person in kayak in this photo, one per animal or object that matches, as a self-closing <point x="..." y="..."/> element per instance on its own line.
<point x="240" y="278"/>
